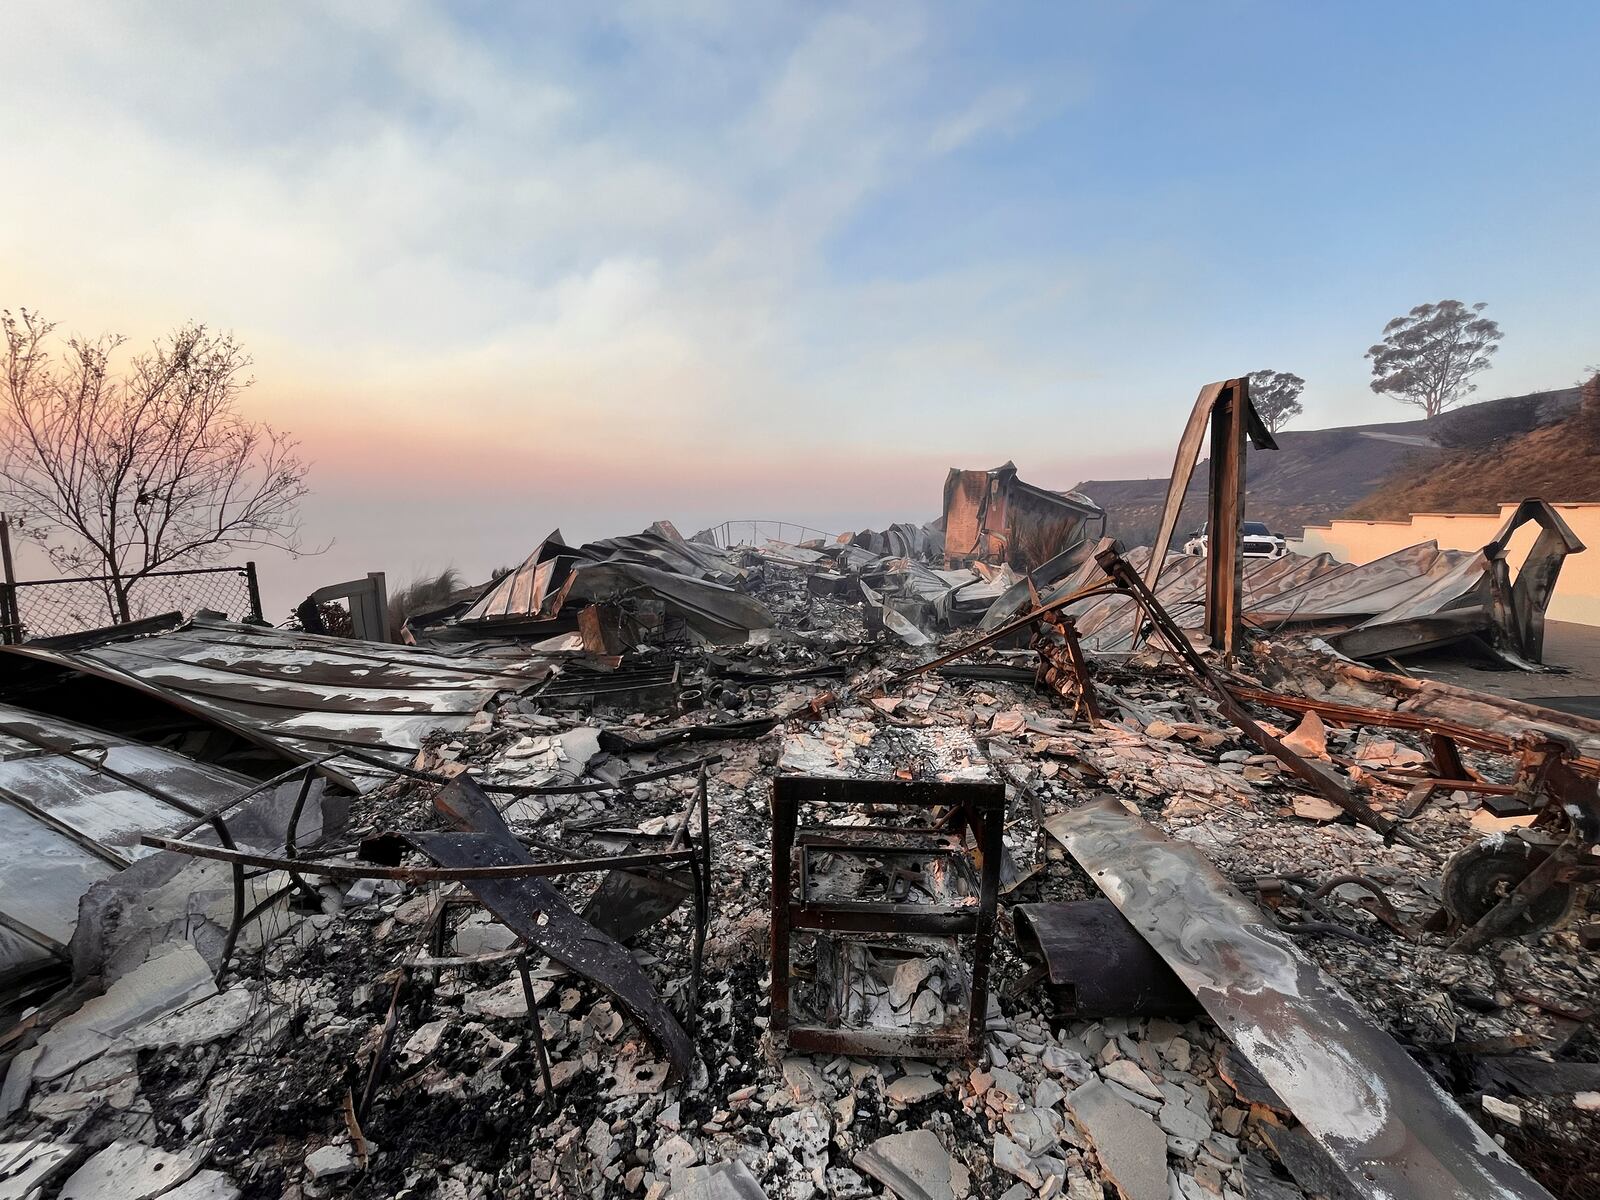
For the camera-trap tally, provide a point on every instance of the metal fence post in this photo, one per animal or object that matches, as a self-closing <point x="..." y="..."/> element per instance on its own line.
<point x="255" y="590"/>
<point x="10" y="620"/>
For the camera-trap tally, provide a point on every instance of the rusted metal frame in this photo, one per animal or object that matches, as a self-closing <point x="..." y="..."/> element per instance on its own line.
<point x="536" y="1028"/>
<point x="1224" y="529"/>
<point x="984" y="807"/>
<point x="995" y="635"/>
<point x="1386" y="1125"/>
<point x="1446" y="756"/>
<point x="1325" y="785"/>
<point x="1064" y="669"/>
<point x="1349" y="714"/>
<point x="73" y="834"/>
<point x="1445" y="784"/>
<point x="1242" y="421"/>
<point x="419" y="874"/>
<point x="1087" y="700"/>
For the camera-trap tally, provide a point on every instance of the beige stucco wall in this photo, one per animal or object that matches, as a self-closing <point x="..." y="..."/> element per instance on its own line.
<point x="1577" y="595"/>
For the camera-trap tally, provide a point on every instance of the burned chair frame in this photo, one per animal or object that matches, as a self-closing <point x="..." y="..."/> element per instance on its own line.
<point x="490" y="878"/>
<point x="978" y="808"/>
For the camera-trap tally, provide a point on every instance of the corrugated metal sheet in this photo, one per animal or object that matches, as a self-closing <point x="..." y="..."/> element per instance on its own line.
<point x="692" y="582"/>
<point x="1419" y="581"/>
<point x="307" y="695"/>
<point x="67" y="820"/>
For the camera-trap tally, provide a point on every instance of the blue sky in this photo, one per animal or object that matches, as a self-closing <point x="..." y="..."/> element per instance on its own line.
<point x="509" y="267"/>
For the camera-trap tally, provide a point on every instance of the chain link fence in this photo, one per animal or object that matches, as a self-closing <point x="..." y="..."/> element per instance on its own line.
<point x="39" y="608"/>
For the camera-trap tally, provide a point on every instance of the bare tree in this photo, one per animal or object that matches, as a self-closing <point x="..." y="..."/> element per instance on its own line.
<point x="1429" y="356"/>
<point x="1276" y="395"/>
<point x="123" y="475"/>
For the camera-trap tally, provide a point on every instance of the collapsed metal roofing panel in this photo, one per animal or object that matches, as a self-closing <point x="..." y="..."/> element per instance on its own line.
<point x="304" y="693"/>
<point x="1419" y="581"/>
<point x="693" y="581"/>
<point x="1382" y="1120"/>
<point x="73" y="803"/>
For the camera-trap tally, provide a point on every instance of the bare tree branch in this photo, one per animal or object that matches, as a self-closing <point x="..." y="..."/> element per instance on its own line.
<point x="152" y="469"/>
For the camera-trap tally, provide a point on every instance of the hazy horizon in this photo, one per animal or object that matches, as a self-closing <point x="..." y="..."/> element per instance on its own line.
<point x="504" y="271"/>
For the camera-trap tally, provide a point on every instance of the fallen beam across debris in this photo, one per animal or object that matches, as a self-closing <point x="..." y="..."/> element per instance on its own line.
<point x="1387" y="1125"/>
<point x="543" y="919"/>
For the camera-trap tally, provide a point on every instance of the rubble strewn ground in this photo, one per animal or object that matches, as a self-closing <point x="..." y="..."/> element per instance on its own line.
<point x="258" y="1089"/>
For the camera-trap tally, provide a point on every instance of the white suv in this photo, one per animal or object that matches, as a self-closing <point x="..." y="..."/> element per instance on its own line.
<point x="1259" y="542"/>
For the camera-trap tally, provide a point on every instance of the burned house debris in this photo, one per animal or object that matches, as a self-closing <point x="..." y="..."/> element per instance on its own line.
<point x="981" y="859"/>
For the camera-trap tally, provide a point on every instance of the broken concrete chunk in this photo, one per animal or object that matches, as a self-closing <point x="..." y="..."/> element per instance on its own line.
<point x="726" y="1180"/>
<point x="908" y="977"/>
<point x="1007" y="1156"/>
<point x="214" y="1017"/>
<point x="1130" y="1146"/>
<point x="1505" y="1111"/>
<point x="26" y="1166"/>
<point x="19" y="1078"/>
<point x="331" y="1161"/>
<point x="909" y="1089"/>
<point x="172" y="977"/>
<point x="1127" y="1073"/>
<point x="914" y="1166"/>
<point x="1315" y="808"/>
<point x="674" y="1154"/>
<point x="129" y="1171"/>
<point x="1182" y="1121"/>
<point x="1309" y="738"/>
<point x="805" y="1081"/>
<point x="204" y="1185"/>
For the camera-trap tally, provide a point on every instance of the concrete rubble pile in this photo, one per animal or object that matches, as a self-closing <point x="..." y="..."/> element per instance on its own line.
<point x="537" y="956"/>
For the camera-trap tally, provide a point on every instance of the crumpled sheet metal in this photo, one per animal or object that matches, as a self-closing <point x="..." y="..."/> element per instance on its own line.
<point x="540" y="915"/>
<point x="1386" y="1124"/>
<point x="693" y="580"/>
<point x="1088" y="949"/>
<point x="1417" y="596"/>
<point x="301" y="694"/>
<point x="73" y="802"/>
<point x="994" y="517"/>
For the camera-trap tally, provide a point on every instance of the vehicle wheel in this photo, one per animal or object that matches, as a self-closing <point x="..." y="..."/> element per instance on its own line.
<point x="1486" y="872"/>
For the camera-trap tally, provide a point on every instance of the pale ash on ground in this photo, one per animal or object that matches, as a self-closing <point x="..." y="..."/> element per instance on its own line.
<point x="168" y="1086"/>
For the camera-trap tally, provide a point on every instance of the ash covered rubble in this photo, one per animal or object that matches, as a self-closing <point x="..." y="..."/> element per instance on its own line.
<point x="1110" y="1034"/>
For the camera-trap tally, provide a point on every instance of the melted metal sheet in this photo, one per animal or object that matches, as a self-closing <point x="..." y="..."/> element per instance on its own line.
<point x="1388" y="1126"/>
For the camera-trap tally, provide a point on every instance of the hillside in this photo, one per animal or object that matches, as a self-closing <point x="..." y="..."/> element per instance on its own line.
<point x="1556" y="462"/>
<point x="1318" y="474"/>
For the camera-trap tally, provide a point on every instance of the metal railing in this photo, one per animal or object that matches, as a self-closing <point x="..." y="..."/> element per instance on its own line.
<point x="758" y="532"/>
<point x="35" y="608"/>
